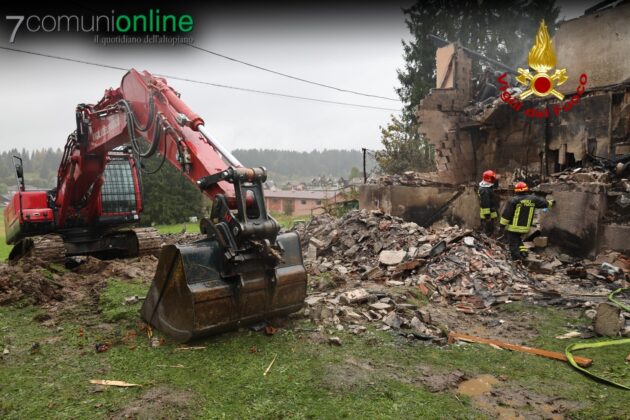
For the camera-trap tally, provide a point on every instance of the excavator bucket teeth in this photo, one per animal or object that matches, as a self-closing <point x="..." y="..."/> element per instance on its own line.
<point x="192" y="297"/>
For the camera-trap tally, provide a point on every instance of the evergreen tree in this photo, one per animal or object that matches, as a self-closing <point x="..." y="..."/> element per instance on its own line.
<point x="168" y="197"/>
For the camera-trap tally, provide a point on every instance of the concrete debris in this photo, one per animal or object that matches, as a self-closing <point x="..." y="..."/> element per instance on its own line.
<point x="354" y="296"/>
<point x="380" y="306"/>
<point x="469" y="241"/>
<point x="391" y="257"/>
<point x="311" y="253"/>
<point x="371" y="268"/>
<point x="393" y="320"/>
<point x="335" y="341"/>
<point x="607" y="320"/>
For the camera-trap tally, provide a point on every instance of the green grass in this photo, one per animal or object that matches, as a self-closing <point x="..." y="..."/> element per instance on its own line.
<point x="177" y="228"/>
<point x="4" y="248"/>
<point x="223" y="380"/>
<point x="374" y="375"/>
<point x="287" y="222"/>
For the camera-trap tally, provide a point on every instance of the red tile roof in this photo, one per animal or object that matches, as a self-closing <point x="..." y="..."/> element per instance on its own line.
<point x="302" y="195"/>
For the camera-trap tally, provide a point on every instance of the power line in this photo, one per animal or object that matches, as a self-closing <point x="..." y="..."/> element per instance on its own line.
<point x="184" y="79"/>
<point x="290" y="76"/>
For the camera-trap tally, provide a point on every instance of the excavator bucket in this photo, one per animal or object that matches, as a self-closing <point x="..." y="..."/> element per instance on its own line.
<point x="194" y="294"/>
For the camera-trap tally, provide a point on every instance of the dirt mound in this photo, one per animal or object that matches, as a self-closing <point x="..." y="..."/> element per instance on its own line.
<point x="28" y="280"/>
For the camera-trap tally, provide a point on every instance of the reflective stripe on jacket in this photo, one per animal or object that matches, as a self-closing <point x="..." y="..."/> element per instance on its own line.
<point x="519" y="212"/>
<point x="488" y="201"/>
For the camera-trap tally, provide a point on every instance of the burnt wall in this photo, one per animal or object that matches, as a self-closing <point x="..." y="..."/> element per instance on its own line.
<point x="597" y="45"/>
<point x="423" y="205"/>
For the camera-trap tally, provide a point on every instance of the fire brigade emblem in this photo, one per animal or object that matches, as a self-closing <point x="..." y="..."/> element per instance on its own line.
<point x="542" y="59"/>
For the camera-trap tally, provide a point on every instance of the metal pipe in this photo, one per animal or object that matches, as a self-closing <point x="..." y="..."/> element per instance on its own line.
<point x="229" y="157"/>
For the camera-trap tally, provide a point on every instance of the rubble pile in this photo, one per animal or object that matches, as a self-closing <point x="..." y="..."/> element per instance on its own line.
<point x="408" y="178"/>
<point x="614" y="183"/>
<point x="369" y="266"/>
<point x="580" y="175"/>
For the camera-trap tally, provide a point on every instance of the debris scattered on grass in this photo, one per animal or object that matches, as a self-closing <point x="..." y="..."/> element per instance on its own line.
<point x="269" y="330"/>
<point x="270" y="364"/>
<point x="35" y="348"/>
<point x="335" y="341"/>
<point x="569" y="335"/>
<point x="132" y="300"/>
<point x="190" y="348"/>
<point x="106" y="382"/>
<point x="101" y="347"/>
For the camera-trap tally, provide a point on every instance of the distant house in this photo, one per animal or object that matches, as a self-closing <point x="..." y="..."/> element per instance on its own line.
<point x="297" y="202"/>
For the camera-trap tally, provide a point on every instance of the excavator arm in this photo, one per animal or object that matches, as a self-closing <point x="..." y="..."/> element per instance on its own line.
<point x="145" y="107"/>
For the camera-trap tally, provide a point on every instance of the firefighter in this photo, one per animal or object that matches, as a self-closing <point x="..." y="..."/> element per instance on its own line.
<point x="488" y="201"/>
<point x="518" y="215"/>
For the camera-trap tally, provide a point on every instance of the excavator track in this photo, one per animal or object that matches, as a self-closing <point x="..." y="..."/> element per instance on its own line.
<point x="149" y="241"/>
<point x="49" y="248"/>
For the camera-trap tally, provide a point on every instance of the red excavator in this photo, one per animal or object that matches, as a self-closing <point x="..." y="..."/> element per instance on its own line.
<point x="242" y="273"/>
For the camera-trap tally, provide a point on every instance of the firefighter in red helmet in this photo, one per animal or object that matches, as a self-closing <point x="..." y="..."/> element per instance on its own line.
<point x="488" y="201"/>
<point x="518" y="215"/>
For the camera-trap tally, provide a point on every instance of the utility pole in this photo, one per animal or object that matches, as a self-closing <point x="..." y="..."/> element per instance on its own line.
<point x="364" y="171"/>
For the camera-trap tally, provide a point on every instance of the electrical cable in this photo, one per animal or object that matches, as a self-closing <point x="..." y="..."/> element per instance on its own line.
<point x="185" y="79"/>
<point x="290" y="76"/>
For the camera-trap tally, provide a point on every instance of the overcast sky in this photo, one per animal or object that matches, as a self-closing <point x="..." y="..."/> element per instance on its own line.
<point x="354" y="51"/>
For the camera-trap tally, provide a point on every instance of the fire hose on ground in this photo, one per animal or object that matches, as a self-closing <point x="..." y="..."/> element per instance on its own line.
<point x="581" y="346"/>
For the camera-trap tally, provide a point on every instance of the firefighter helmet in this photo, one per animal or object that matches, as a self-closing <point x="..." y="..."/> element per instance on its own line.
<point x="489" y="176"/>
<point x="521" y="187"/>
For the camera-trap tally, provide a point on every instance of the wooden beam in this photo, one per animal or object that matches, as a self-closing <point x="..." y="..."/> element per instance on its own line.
<point x="582" y="361"/>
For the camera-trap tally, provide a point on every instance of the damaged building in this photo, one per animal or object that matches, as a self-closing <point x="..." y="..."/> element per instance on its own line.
<point x="576" y="149"/>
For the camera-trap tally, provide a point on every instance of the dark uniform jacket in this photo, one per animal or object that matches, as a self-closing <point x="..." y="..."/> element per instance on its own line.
<point x="519" y="212"/>
<point x="488" y="200"/>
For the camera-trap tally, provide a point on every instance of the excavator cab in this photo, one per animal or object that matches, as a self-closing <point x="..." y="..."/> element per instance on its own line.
<point x="243" y="272"/>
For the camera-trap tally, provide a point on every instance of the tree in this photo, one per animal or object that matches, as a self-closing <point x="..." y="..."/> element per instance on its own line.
<point x="499" y="30"/>
<point x="168" y="197"/>
<point x="404" y="148"/>
<point x="354" y="173"/>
